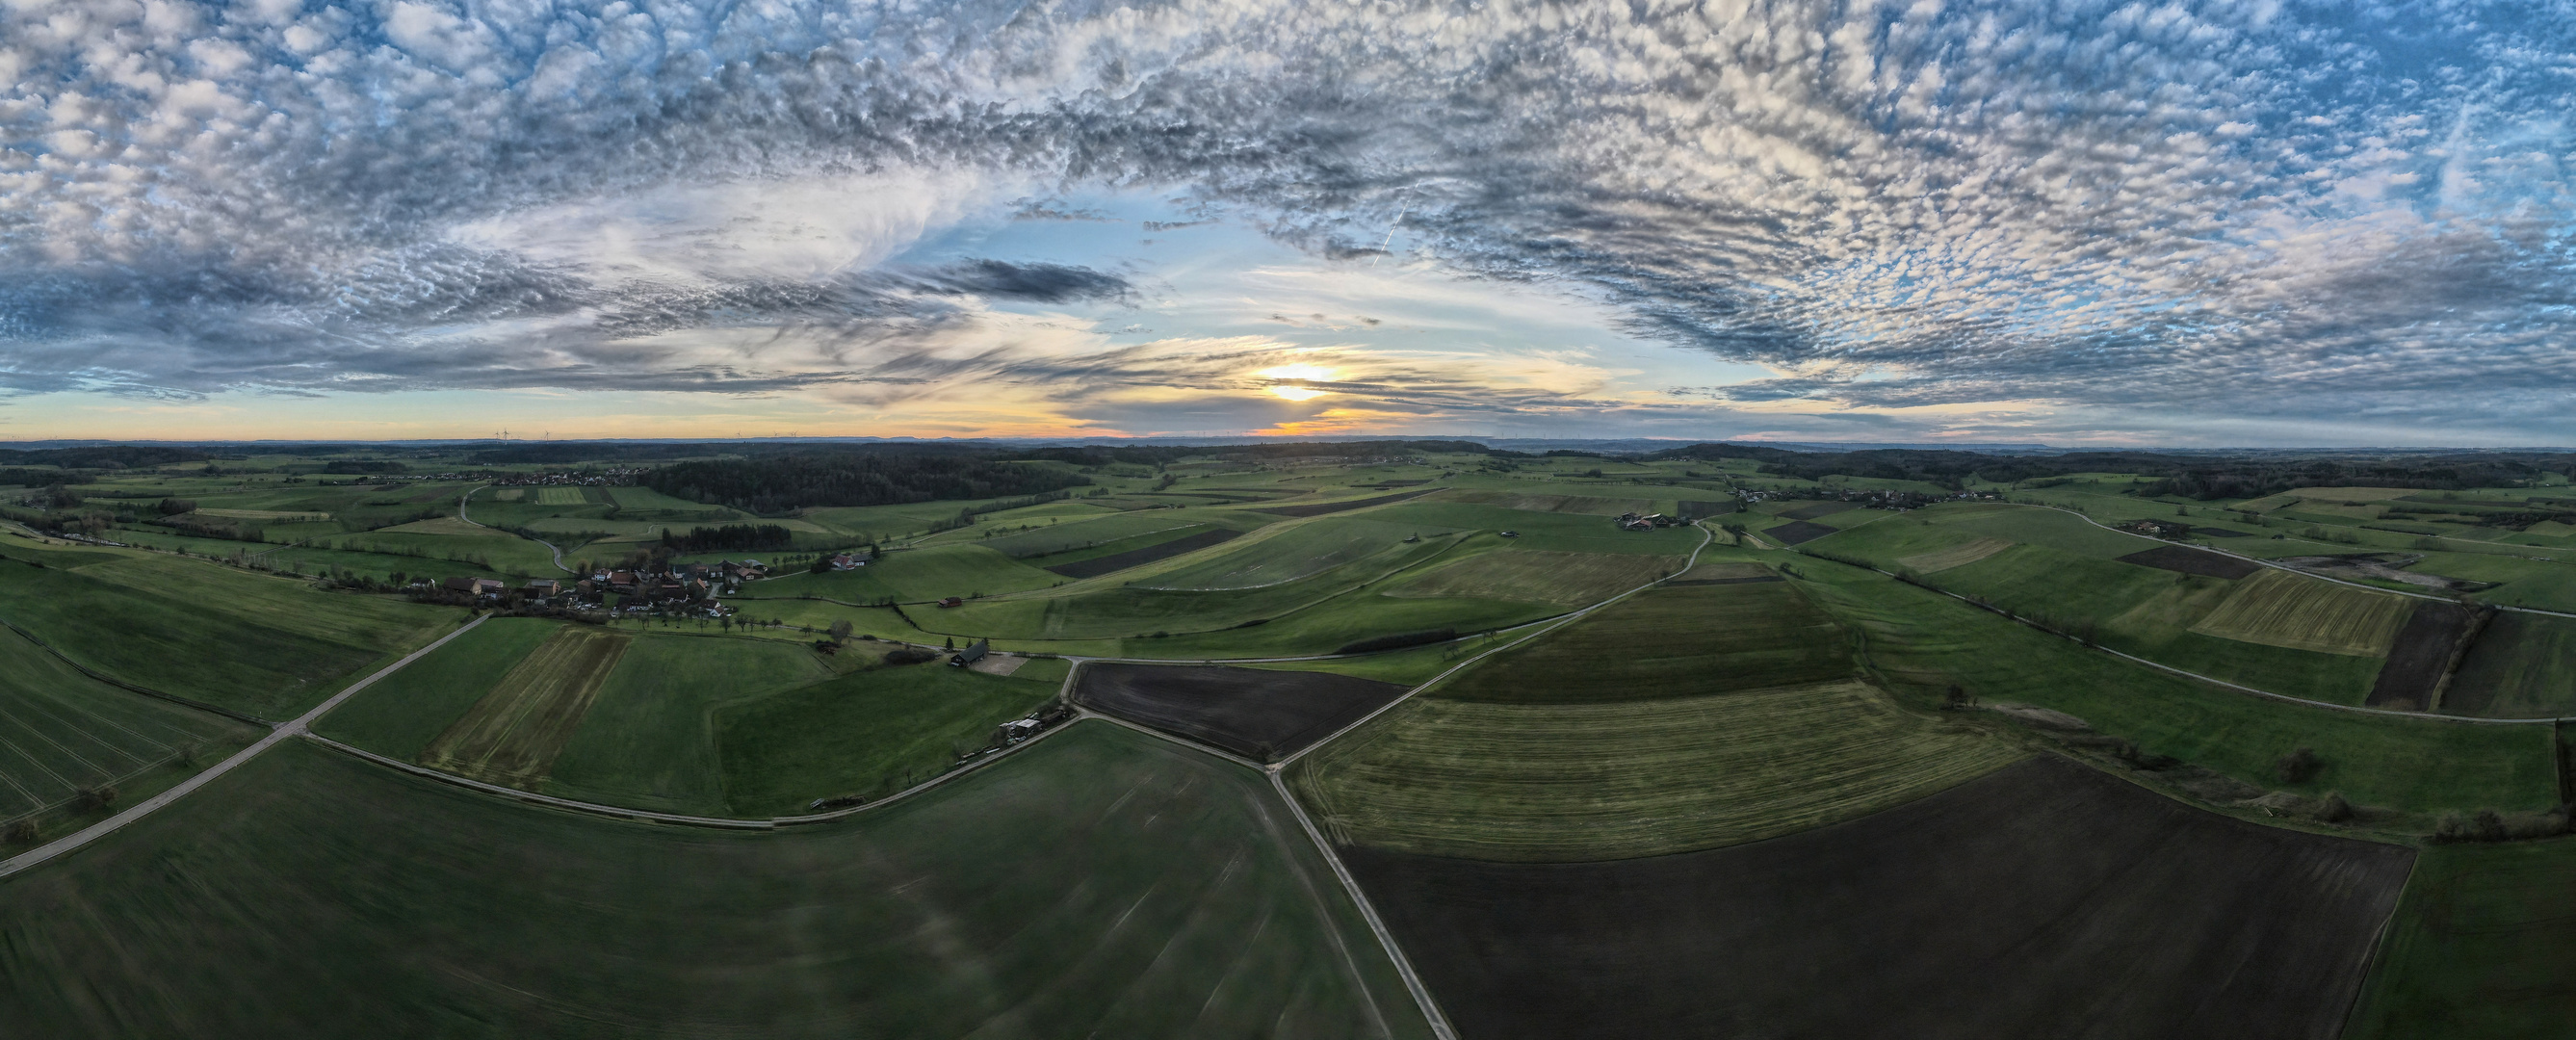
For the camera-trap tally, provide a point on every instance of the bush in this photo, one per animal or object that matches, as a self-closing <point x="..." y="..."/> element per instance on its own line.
<point x="2334" y="809"/>
<point x="911" y="655"/>
<point x="2298" y="767"/>
<point x="25" y="831"/>
<point x="92" y="799"/>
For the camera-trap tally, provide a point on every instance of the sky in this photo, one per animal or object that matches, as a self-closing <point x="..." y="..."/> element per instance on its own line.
<point x="2081" y="223"/>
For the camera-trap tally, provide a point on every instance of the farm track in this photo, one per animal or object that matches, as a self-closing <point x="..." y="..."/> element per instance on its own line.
<point x="2240" y="687"/>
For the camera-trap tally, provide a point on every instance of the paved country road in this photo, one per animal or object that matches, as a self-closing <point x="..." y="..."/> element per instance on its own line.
<point x="64" y="846"/>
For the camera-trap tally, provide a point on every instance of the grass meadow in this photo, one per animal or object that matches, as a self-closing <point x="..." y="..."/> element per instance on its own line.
<point x="870" y="732"/>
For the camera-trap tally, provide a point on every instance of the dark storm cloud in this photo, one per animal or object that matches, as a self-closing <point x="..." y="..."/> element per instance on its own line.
<point x="2297" y="209"/>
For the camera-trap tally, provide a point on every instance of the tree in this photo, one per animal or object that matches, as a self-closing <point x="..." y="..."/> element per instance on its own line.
<point x="841" y="629"/>
<point x="2298" y="766"/>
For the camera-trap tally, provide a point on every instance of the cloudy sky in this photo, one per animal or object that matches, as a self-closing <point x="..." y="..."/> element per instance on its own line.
<point x="2074" y="222"/>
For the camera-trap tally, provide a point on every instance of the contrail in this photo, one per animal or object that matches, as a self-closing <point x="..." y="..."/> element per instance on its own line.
<point x="1390" y="231"/>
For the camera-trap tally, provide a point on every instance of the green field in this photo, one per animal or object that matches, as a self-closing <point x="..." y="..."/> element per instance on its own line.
<point x="1563" y="532"/>
<point x="870" y="732"/>
<point x="265" y="646"/>
<point x="1919" y="643"/>
<point x="1115" y="529"/>
<point x="62" y="732"/>
<point x="514" y="733"/>
<point x="401" y="714"/>
<point x="649" y="741"/>
<point x="1101" y="883"/>
<point x="2480" y="946"/>
<point x="1537" y="576"/>
<point x="1293" y="552"/>
<point x="1595" y="778"/>
<point x="2276" y="608"/>
<point x="2273" y="631"/>
<point x="1670" y="642"/>
<point x="914" y="576"/>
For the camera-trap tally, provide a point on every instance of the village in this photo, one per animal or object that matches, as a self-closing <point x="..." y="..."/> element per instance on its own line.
<point x="658" y="588"/>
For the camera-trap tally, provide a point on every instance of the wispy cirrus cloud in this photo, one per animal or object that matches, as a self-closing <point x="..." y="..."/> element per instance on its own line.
<point x="2299" y="210"/>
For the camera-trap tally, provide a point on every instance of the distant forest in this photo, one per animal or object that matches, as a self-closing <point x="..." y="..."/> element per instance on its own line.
<point x="727" y="538"/>
<point x="113" y="456"/>
<point x="1159" y="454"/>
<point x="780" y="483"/>
<point x="2202" y="477"/>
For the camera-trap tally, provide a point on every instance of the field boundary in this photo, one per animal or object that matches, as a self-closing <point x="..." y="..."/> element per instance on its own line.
<point x="299" y="726"/>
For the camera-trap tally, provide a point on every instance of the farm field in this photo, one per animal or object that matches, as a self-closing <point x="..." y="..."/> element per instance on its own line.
<point x="1259" y="714"/>
<point x="399" y="716"/>
<point x="1918" y="643"/>
<point x="2479" y="946"/>
<point x="1073" y="534"/>
<point x="649" y="740"/>
<point x="2521" y="666"/>
<point x="308" y="890"/>
<point x="2262" y="627"/>
<point x="62" y="733"/>
<point x="265" y="646"/>
<point x="1599" y="779"/>
<point x="2279" y="609"/>
<point x="513" y="734"/>
<point x="869" y="733"/>
<point x="1670" y="642"/>
<point x="1290" y="553"/>
<point x="1090" y="564"/>
<point x="2214" y="926"/>
<point x="1538" y="576"/>
<point x="913" y="576"/>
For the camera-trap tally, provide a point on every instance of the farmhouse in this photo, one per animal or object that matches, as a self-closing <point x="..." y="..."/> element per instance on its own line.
<point x="1015" y="731"/>
<point x="972" y="654"/>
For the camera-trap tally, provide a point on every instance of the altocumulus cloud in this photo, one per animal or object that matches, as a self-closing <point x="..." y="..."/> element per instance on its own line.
<point x="2301" y="209"/>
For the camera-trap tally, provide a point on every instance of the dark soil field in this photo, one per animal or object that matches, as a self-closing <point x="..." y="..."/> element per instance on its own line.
<point x="2042" y="900"/>
<point x="1252" y="712"/>
<point x="2416" y="660"/>
<point x="1797" y="532"/>
<point x="1321" y="508"/>
<point x="1097" y="566"/>
<point x="1819" y="509"/>
<point x="2192" y="561"/>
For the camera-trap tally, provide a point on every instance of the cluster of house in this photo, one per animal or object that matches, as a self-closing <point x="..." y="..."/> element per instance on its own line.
<point x="1647" y="521"/>
<point x="645" y="590"/>
<point x="586" y="478"/>
<point x="1872" y="499"/>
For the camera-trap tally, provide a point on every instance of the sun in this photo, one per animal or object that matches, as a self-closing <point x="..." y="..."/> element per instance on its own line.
<point x="1303" y="374"/>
